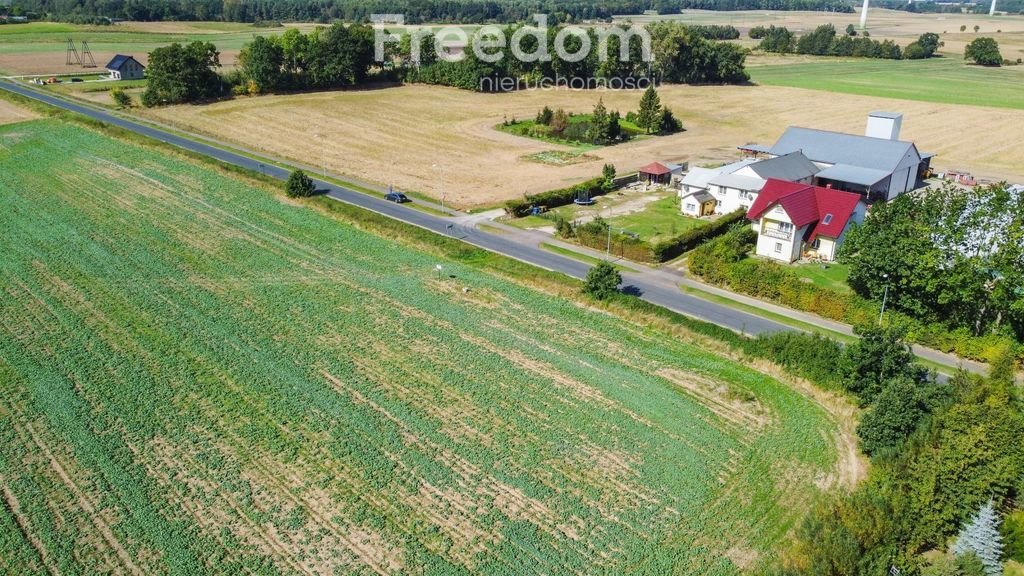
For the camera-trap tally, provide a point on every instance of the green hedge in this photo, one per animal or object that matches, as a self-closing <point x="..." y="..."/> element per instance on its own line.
<point x="725" y="263"/>
<point x="668" y="249"/>
<point x="642" y="251"/>
<point x="556" y="198"/>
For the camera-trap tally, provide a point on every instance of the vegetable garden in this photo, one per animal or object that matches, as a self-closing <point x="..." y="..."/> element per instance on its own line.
<point x="200" y="376"/>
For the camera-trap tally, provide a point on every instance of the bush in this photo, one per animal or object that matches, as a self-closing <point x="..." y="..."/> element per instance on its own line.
<point x="299" y="185"/>
<point x="602" y="281"/>
<point x="121" y="98"/>
<point x="809" y="356"/>
<point x="1013" y="535"/>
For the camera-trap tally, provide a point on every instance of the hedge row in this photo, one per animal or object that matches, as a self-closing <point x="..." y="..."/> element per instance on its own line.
<point x="668" y="249"/>
<point x="556" y="198"/>
<point x="642" y="251"/>
<point x="724" y="263"/>
<point x="623" y="246"/>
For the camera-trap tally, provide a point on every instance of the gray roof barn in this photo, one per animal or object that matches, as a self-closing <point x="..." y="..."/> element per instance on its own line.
<point x="839" y="148"/>
<point x="793" y="167"/>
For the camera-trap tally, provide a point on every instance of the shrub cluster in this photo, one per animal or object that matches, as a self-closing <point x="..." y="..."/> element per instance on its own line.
<point x="555" y="198"/>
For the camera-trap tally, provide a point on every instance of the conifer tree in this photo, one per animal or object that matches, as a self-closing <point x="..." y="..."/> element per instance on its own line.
<point x="981" y="536"/>
<point x="649" y="115"/>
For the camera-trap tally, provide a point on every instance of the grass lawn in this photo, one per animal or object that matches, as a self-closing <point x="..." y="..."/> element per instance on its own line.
<point x="582" y="257"/>
<point x="660" y="219"/>
<point x="833" y="276"/>
<point x="945" y="80"/>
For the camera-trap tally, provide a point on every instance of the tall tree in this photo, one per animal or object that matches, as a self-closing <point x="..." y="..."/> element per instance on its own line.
<point x="879" y="356"/>
<point x="599" y="121"/>
<point x="984" y="51"/>
<point x="178" y="74"/>
<point x="262" y="62"/>
<point x="649" y="115"/>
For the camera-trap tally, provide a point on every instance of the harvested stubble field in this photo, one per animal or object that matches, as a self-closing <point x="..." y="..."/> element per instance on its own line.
<point x="397" y="135"/>
<point x="200" y="376"/>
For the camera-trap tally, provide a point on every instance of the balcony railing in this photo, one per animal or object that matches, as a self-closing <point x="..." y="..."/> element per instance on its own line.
<point x="773" y="232"/>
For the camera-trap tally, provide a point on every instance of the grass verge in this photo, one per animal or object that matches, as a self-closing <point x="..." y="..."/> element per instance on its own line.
<point x="582" y="257"/>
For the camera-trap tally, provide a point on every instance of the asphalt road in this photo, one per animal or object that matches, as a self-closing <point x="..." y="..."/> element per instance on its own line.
<point x="664" y="294"/>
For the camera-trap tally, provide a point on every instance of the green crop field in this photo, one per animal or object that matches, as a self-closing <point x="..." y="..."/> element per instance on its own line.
<point x="200" y="376"/>
<point x="946" y="80"/>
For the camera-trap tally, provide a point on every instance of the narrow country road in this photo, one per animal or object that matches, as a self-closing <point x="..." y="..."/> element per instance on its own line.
<point x="660" y="289"/>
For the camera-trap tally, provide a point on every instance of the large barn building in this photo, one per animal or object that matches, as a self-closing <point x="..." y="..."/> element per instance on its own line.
<point x="877" y="165"/>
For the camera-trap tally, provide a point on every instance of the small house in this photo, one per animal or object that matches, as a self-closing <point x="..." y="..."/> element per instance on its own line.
<point x="123" y="67"/>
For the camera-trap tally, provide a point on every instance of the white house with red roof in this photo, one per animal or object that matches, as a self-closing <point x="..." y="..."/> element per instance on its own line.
<point x="794" y="220"/>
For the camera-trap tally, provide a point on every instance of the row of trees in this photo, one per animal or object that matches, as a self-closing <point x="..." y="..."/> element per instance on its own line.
<point x="331" y="57"/>
<point x="947" y="255"/>
<point x="415" y="11"/>
<point x="679" y="56"/>
<point x="825" y="41"/>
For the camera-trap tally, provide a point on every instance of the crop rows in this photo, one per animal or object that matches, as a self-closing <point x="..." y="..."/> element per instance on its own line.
<point x="232" y="383"/>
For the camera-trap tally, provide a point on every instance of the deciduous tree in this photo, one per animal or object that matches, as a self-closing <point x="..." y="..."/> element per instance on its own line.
<point x="984" y="51"/>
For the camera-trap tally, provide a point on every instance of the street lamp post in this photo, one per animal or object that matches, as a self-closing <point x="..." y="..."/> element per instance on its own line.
<point x="885" y="296"/>
<point x="441" y="170"/>
<point x="323" y="154"/>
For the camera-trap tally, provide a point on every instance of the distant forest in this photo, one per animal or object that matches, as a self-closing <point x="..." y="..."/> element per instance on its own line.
<point x="416" y="11"/>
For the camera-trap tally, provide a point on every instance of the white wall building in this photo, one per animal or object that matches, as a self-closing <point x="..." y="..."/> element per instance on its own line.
<point x="794" y="220"/>
<point x="735" y="186"/>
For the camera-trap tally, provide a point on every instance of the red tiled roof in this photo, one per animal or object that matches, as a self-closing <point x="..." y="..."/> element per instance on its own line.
<point x="656" y="168"/>
<point x="807" y="205"/>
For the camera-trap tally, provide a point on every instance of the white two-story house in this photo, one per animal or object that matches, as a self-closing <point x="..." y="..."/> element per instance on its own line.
<point x="795" y="220"/>
<point x="735" y="186"/>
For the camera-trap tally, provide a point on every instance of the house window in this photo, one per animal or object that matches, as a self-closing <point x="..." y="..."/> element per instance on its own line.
<point x="785" y="226"/>
<point x="778" y="247"/>
<point x="690" y="207"/>
<point x="827" y="219"/>
<point x="816" y="244"/>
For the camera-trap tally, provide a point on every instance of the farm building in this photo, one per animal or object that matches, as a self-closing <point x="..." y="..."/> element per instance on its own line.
<point x="734" y="186"/>
<point x="877" y="165"/>
<point x="794" y="220"/>
<point x="123" y="67"/>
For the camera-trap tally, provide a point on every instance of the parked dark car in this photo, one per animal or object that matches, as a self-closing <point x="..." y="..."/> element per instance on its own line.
<point x="396" y="197"/>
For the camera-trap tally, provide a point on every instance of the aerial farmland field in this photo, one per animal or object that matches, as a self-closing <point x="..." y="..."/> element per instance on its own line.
<point x="197" y="375"/>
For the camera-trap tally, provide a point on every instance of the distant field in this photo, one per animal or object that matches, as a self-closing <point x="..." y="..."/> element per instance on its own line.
<point x="40" y="47"/>
<point x="201" y="376"/>
<point x="943" y="80"/>
<point x="398" y="135"/>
